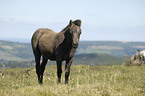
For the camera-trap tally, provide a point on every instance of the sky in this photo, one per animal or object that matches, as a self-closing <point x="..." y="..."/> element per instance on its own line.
<point x="102" y="20"/>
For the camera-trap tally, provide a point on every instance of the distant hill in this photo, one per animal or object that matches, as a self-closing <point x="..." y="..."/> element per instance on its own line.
<point x="15" y="51"/>
<point x="98" y="59"/>
<point x="16" y="54"/>
<point x="23" y="51"/>
<point x="115" y="48"/>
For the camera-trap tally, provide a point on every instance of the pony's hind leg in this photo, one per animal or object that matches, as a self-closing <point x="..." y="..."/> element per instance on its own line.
<point x="43" y="64"/>
<point x="37" y="60"/>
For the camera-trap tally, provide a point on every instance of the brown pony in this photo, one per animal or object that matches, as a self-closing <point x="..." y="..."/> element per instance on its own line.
<point x="54" y="46"/>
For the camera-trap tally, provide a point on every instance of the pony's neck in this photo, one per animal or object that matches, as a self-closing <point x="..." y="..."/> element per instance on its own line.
<point x="68" y="39"/>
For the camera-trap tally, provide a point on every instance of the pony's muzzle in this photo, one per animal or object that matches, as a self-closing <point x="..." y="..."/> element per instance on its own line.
<point x="75" y="45"/>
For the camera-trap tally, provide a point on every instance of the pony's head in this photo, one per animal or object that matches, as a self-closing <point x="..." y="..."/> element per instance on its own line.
<point x="75" y="31"/>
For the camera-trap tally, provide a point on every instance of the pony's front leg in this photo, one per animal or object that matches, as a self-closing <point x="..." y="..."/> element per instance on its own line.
<point x="59" y="70"/>
<point x="67" y="69"/>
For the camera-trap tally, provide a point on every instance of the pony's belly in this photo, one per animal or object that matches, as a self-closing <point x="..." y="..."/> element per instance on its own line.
<point x="49" y="56"/>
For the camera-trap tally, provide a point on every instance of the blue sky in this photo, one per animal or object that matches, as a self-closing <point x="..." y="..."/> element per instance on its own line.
<point x="121" y="20"/>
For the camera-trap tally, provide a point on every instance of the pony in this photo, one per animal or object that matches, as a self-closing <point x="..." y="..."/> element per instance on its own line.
<point x="57" y="47"/>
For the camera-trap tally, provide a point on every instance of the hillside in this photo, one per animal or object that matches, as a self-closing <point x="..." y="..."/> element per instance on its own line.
<point x="15" y="51"/>
<point x="98" y="59"/>
<point x="81" y="59"/>
<point x="15" y="54"/>
<point x="115" y="48"/>
<point x="23" y="51"/>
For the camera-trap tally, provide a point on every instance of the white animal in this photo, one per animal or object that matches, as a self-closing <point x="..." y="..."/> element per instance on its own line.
<point x="141" y="53"/>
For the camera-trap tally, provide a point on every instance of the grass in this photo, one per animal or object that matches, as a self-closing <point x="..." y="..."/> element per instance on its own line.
<point x="84" y="81"/>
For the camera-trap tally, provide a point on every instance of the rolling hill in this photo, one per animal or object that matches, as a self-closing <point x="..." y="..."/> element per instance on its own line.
<point x="115" y="48"/>
<point x="15" y="51"/>
<point x="98" y="59"/>
<point x="88" y="53"/>
<point x="23" y="51"/>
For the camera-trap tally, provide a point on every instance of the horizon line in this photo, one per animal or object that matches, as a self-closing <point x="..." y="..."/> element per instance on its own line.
<point x="26" y="40"/>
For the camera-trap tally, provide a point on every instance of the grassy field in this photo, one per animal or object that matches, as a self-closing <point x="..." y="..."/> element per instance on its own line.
<point x="84" y="81"/>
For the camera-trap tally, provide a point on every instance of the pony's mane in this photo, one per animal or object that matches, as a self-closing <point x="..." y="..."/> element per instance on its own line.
<point x="65" y="28"/>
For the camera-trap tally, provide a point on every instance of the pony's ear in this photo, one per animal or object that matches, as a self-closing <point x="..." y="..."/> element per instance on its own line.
<point x="70" y="23"/>
<point x="59" y="39"/>
<point x="77" y="22"/>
